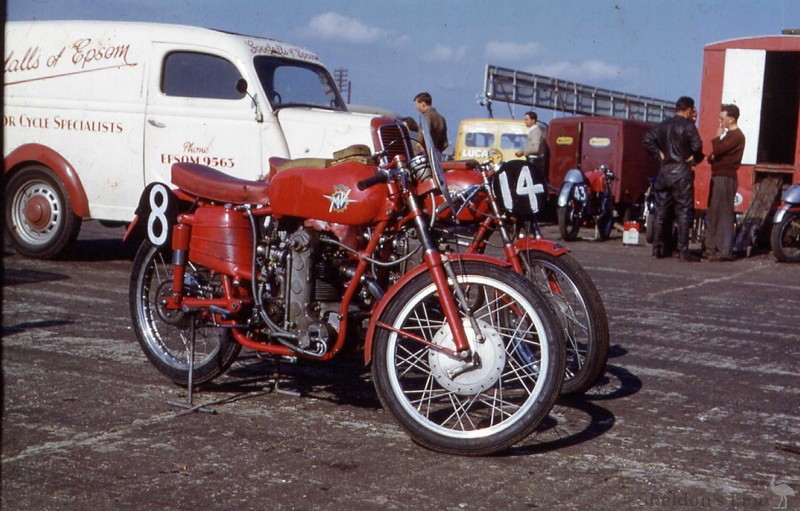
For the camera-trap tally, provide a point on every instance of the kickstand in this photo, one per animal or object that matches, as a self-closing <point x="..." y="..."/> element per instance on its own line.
<point x="276" y="379"/>
<point x="189" y="406"/>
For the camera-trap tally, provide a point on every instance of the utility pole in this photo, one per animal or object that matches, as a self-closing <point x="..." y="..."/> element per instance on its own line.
<point x="340" y="75"/>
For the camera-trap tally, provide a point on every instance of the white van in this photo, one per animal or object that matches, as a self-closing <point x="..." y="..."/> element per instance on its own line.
<point x="95" y="110"/>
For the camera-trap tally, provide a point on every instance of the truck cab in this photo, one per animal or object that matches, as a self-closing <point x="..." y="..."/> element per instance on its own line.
<point x="477" y="136"/>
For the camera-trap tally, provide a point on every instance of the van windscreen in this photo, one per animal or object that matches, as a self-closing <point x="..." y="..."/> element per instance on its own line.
<point x="512" y="141"/>
<point x="292" y="83"/>
<point x="478" y="139"/>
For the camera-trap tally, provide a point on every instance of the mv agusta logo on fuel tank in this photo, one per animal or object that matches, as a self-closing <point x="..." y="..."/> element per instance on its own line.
<point x="339" y="198"/>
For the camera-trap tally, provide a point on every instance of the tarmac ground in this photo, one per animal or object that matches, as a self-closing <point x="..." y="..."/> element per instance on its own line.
<point x="699" y="406"/>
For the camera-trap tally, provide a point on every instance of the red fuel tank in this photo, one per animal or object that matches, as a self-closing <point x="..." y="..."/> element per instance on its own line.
<point x="459" y="179"/>
<point x="328" y="194"/>
<point x="597" y="180"/>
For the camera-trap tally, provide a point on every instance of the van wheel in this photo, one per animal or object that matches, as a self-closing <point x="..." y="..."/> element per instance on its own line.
<point x="39" y="221"/>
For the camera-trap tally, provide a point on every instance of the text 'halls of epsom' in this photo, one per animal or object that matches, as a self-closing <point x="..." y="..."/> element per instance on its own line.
<point x="80" y="55"/>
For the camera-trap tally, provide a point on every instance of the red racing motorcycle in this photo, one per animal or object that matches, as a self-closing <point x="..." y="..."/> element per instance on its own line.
<point x="586" y="198"/>
<point x="502" y="199"/>
<point x="465" y="353"/>
<point x="785" y="235"/>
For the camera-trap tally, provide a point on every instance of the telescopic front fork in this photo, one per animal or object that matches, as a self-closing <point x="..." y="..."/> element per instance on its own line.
<point x="440" y="271"/>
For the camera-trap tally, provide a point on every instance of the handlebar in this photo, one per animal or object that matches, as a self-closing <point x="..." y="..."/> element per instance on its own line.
<point x="380" y="177"/>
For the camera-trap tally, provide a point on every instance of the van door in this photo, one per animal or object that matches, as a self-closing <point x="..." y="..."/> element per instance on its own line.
<point x="743" y="84"/>
<point x="195" y="114"/>
<point x="563" y="139"/>
<point x="599" y="146"/>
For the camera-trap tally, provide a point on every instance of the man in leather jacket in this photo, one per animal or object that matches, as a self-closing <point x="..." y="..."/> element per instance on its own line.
<point x="676" y="144"/>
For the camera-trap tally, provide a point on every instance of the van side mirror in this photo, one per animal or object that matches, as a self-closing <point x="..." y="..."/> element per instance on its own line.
<point x="241" y="88"/>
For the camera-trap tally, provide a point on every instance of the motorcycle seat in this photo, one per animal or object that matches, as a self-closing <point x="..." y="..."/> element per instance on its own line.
<point x="357" y="152"/>
<point x="212" y="184"/>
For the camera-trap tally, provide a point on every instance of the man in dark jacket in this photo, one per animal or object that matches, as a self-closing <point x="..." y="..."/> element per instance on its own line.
<point x="676" y="144"/>
<point x="436" y="122"/>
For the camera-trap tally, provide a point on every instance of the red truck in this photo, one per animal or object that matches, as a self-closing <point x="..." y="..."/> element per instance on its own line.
<point x="585" y="143"/>
<point x="761" y="75"/>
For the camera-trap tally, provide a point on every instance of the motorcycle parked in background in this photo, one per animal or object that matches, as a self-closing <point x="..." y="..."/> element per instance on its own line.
<point x="785" y="236"/>
<point x="648" y="216"/>
<point x="586" y="199"/>
<point x="466" y="354"/>
<point x="505" y="198"/>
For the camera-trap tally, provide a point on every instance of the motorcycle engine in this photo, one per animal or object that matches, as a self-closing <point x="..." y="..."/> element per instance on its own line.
<point x="301" y="289"/>
<point x="406" y="252"/>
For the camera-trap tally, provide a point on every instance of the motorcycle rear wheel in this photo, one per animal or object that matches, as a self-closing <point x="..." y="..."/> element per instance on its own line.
<point x="569" y="220"/>
<point x="486" y="409"/>
<point x="785" y="239"/>
<point x="165" y="335"/>
<point x="581" y="312"/>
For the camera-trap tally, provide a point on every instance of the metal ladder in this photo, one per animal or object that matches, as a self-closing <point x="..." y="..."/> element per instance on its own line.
<point x="767" y="191"/>
<point x="519" y="87"/>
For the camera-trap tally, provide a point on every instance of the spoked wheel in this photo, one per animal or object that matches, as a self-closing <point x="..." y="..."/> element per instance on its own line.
<point x="451" y="405"/>
<point x="580" y="309"/>
<point x="569" y="220"/>
<point x="785" y="239"/>
<point x="165" y="335"/>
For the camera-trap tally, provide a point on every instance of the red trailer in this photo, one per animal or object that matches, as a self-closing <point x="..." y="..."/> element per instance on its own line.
<point x="586" y="143"/>
<point x="761" y="75"/>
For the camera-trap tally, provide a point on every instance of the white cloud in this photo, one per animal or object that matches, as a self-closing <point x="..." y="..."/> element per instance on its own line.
<point x="445" y="54"/>
<point x="496" y="50"/>
<point x="340" y="28"/>
<point x="583" y="72"/>
<point x="399" y="40"/>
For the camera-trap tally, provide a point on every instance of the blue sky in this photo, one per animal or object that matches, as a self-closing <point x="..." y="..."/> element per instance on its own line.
<point x="393" y="50"/>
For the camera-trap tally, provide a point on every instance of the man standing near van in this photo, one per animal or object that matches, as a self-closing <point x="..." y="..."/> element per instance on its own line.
<point x="535" y="148"/>
<point x="534" y="144"/>
<point x="438" y="126"/>
<point x="726" y="155"/>
<point x="676" y="144"/>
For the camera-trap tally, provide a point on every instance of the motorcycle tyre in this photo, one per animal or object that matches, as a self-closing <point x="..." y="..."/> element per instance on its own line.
<point x="534" y="408"/>
<point x="650" y="228"/>
<point x="568" y="224"/>
<point x="778" y="241"/>
<point x="579" y="377"/>
<point x="151" y="331"/>
<point x="605" y="224"/>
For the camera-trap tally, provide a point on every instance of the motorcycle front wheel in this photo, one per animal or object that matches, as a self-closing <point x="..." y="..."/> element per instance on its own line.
<point x="650" y="227"/>
<point x="569" y="220"/>
<point x="165" y="335"/>
<point x="785" y="239"/>
<point x="605" y="224"/>
<point x="453" y="406"/>
<point x="581" y="313"/>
